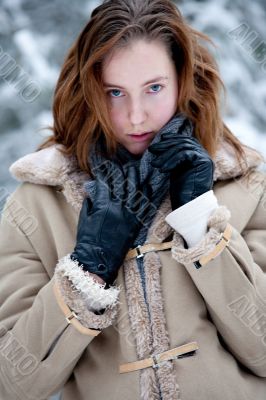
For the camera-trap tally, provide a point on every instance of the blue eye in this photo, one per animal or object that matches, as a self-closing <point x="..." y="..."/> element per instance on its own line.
<point x="156" y="86"/>
<point x="115" y="92"/>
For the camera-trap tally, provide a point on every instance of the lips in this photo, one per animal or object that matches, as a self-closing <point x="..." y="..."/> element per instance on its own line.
<point x="139" y="133"/>
<point x="139" y="137"/>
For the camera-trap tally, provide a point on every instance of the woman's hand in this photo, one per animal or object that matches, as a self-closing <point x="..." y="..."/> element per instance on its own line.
<point x="107" y="228"/>
<point x="190" y="166"/>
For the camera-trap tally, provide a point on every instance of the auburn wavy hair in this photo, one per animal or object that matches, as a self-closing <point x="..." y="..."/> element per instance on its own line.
<point x="80" y="108"/>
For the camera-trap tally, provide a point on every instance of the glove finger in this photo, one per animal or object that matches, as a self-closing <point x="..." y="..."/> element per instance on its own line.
<point x="113" y="178"/>
<point x="190" y="159"/>
<point x="187" y="157"/>
<point x="102" y="187"/>
<point x="117" y="184"/>
<point x="89" y="205"/>
<point x="160" y="147"/>
<point x="190" y="145"/>
<point x="165" y="161"/>
<point x="172" y="135"/>
<point x="168" y="161"/>
<point x="110" y="180"/>
<point x="175" y="141"/>
<point x="85" y="209"/>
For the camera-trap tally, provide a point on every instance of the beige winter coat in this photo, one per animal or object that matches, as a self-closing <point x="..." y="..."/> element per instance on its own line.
<point x="221" y="306"/>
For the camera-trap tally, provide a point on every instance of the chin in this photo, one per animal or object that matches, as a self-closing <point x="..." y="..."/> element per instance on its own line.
<point x="137" y="151"/>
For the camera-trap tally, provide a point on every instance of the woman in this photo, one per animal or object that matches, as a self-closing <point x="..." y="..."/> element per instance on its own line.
<point x="133" y="254"/>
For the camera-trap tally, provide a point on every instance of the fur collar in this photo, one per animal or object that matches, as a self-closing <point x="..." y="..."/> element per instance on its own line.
<point x="50" y="167"/>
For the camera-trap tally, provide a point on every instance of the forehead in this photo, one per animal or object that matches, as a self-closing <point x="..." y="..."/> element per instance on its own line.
<point x="140" y="59"/>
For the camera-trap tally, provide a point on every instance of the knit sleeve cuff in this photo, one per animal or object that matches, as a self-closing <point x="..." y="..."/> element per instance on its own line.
<point x="190" y="220"/>
<point x="84" y="295"/>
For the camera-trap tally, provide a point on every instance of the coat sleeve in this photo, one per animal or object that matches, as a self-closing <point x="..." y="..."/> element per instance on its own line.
<point x="39" y="347"/>
<point x="232" y="281"/>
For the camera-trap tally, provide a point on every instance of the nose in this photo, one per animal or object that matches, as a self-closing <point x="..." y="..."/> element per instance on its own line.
<point x="137" y="113"/>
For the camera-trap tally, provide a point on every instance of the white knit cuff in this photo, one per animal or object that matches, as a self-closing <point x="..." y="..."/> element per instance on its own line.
<point x="92" y="292"/>
<point x="190" y="220"/>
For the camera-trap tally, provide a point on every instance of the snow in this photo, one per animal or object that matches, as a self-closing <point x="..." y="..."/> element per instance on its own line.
<point x="39" y="50"/>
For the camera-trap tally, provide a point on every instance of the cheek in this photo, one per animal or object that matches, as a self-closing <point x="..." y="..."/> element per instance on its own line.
<point x="164" y="111"/>
<point x="116" y="116"/>
<point x="166" y="107"/>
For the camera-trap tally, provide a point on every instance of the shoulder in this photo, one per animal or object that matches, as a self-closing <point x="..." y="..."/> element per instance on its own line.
<point x="32" y="205"/>
<point x="243" y="196"/>
<point x="252" y="183"/>
<point x="48" y="166"/>
<point x="32" y="194"/>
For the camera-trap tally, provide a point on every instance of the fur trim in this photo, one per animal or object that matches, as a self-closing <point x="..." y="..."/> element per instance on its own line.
<point x="227" y="166"/>
<point x="147" y="319"/>
<point x="46" y="167"/>
<point x="216" y="224"/>
<point x="51" y="167"/>
<point x="166" y="374"/>
<point x="148" y="386"/>
<point x="93" y="293"/>
<point x="140" y="325"/>
<point x="76" y="303"/>
<point x="72" y="188"/>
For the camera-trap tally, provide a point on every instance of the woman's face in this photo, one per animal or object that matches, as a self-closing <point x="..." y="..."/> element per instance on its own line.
<point x="140" y="82"/>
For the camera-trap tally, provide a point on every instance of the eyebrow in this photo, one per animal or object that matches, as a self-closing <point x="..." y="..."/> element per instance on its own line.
<point x="158" y="78"/>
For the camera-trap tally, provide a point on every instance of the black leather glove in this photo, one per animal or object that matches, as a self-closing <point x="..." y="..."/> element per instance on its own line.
<point x="107" y="228"/>
<point x="190" y="166"/>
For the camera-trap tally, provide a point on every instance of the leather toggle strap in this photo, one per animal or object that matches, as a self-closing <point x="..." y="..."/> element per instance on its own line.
<point x="71" y="317"/>
<point x="220" y="246"/>
<point x="139" y="251"/>
<point x="154" y="361"/>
